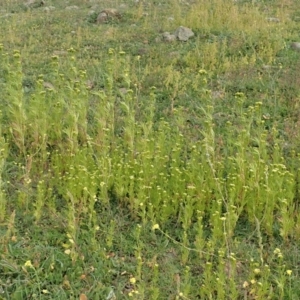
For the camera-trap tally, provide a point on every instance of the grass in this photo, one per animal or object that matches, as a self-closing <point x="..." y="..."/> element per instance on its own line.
<point x="132" y="168"/>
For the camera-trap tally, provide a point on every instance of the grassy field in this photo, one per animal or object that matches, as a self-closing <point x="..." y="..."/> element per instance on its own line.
<point x="135" y="168"/>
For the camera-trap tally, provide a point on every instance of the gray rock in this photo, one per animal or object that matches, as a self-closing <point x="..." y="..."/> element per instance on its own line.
<point x="48" y="85"/>
<point x="295" y="46"/>
<point x="167" y="37"/>
<point x="275" y="20"/>
<point x="107" y="14"/>
<point x="72" y="7"/>
<point x="60" y="53"/>
<point x="102" y="17"/>
<point x="183" y="33"/>
<point x="48" y="8"/>
<point x="34" y="3"/>
<point x="90" y="84"/>
<point x="7" y="15"/>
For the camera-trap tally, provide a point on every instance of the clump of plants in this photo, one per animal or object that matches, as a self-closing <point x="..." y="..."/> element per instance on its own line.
<point x="74" y="153"/>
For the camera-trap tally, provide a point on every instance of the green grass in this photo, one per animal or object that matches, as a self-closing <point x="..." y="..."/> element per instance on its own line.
<point x="132" y="168"/>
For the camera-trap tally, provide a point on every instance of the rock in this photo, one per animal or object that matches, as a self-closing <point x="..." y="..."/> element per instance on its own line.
<point x="275" y="20"/>
<point x="90" y="84"/>
<point x="269" y="67"/>
<point x="168" y="37"/>
<point x="295" y="46"/>
<point x="102" y="17"/>
<point x="112" y="12"/>
<point x="266" y="67"/>
<point x="183" y="33"/>
<point x="7" y="15"/>
<point x="72" y="7"/>
<point x="48" y="8"/>
<point x="34" y="3"/>
<point x="48" y="85"/>
<point x="60" y="52"/>
<point x="108" y="14"/>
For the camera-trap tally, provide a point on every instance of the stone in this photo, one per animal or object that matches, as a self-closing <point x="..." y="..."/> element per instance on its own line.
<point x="48" y="85"/>
<point x="102" y="17"/>
<point x="7" y="15"/>
<point x="72" y="7"/>
<point x="48" y="8"/>
<point x="295" y="46"/>
<point x="167" y="37"/>
<point x="90" y="84"/>
<point x="60" y="52"/>
<point x="34" y="3"/>
<point x="275" y="20"/>
<point x="183" y="33"/>
<point x="107" y="14"/>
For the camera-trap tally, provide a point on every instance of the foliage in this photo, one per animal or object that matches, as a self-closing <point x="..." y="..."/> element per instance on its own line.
<point x="170" y="175"/>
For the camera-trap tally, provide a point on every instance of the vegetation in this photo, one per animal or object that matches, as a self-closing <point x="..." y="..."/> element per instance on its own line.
<point x="132" y="168"/>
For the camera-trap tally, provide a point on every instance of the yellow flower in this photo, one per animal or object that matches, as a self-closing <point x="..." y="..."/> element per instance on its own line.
<point x="277" y="251"/>
<point x="202" y="72"/>
<point x="155" y="226"/>
<point x="289" y="272"/>
<point x="28" y="264"/>
<point x="132" y="280"/>
<point x="239" y="95"/>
